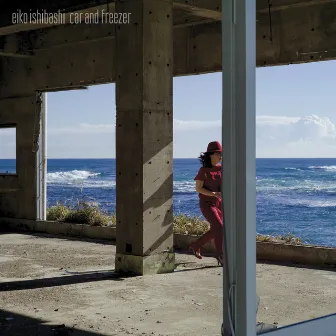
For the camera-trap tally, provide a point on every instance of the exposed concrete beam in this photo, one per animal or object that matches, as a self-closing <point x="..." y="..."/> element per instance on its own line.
<point x="67" y="16"/>
<point x="8" y="54"/>
<point x="199" y="8"/>
<point x="202" y="8"/>
<point x="15" y="45"/>
<point x="66" y="88"/>
<point x="212" y="9"/>
<point x="63" y="15"/>
<point x="263" y="6"/>
<point x="297" y="35"/>
<point x="65" y="6"/>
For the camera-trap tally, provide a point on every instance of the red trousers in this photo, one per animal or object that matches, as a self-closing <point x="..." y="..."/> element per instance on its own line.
<point x="212" y="211"/>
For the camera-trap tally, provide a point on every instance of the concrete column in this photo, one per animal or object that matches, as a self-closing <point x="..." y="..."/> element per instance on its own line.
<point x="144" y="138"/>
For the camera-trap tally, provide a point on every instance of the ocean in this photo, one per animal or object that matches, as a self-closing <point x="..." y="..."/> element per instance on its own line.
<point x="294" y="196"/>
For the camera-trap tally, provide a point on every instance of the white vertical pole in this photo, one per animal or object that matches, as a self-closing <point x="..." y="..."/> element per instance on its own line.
<point x="38" y="151"/>
<point x="239" y="149"/>
<point x="44" y="156"/>
<point x="229" y="164"/>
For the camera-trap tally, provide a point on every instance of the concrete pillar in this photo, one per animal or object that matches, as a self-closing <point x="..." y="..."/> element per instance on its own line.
<point x="144" y="138"/>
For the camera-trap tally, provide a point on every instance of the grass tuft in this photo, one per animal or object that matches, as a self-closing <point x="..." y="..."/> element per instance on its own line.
<point x="189" y="225"/>
<point x="287" y="239"/>
<point x="83" y="212"/>
<point x="58" y="212"/>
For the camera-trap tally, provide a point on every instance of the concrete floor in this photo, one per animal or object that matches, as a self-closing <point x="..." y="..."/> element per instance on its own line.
<point x="60" y="286"/>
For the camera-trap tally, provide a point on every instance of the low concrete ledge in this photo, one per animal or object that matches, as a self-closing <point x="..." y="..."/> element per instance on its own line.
<point x="303" y="254"/>
<point x="280" y="252"/>
<point x="266" y="251"/>
<point x="57" y="228"/>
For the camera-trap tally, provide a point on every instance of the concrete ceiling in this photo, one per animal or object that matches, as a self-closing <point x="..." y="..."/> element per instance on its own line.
<point x="188" y="11"/>
<point x="272" y="16"/>
<point x="288" y="32"/>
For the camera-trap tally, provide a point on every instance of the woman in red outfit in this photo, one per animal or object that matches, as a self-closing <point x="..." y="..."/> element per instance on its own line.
<point x="208" y="185"/>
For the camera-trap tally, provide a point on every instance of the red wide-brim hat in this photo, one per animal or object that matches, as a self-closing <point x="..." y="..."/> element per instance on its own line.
<point x="214" y="146"/>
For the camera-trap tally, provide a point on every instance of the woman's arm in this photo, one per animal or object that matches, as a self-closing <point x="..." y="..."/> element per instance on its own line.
<point x="201" y="190"/>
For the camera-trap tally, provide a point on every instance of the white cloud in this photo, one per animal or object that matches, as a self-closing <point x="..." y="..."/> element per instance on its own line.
<point x="276" y="120"/>
<point x="305" y="128"/>
<point x="179" y="125"/>
<point x="84" y="129"/>
<point x="194" y="125"/>
<point x="295" y="128"/>
<point x="281" y="136"/>
<point x="276" y="136"/>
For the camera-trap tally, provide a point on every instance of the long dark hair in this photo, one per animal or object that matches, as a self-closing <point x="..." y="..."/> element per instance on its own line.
<point x="205" y="160"/>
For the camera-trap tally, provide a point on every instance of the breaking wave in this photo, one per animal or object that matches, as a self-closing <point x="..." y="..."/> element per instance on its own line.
<point x="69" y="176"/>
<point x="312" y="203"/>
<point x="323" y="167"/>
<point x="89" y="179"/>
<point x="184" y="186"/>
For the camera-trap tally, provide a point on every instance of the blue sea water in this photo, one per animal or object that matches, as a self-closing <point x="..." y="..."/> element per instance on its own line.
<point x="296" y="196"/>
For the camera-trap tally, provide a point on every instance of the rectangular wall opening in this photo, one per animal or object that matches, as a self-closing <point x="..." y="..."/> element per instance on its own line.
<point x="8" y="149"/>
<point x="81" y="150"/>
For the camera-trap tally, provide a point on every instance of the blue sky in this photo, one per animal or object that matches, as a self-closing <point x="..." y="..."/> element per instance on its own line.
<point x="296" y="115"/>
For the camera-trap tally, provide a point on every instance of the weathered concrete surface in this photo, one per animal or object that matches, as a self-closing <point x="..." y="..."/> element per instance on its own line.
<point x="18" y="193"/>
<point x="144" y="138"/>
<point x="70" y="282"/>
<point x="307" y="255"/>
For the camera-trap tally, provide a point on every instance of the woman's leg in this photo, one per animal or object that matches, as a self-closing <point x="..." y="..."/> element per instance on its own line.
<point x="213" y="215"/>
<point x="218" y="232"/>
<point x="203" y="240"/>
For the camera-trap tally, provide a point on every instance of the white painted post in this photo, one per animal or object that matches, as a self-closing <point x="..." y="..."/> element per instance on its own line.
<point x="239" y="163"/>
<point x="44" y="156"/>
<point x="41" y="159"/>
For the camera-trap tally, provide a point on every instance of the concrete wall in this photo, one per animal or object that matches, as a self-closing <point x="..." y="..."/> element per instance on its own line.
<point x="18" y="192"/>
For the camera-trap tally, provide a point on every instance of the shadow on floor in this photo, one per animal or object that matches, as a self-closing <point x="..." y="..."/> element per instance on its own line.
<point x="195" y="269"/>
<point x="60" y="281"/>
<point x="13" y="324"/>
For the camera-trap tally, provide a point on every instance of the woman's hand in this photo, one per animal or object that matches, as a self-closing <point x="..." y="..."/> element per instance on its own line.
<point x="218" y="194"/>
